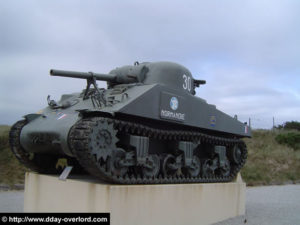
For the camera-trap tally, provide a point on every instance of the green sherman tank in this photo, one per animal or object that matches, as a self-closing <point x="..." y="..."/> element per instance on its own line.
<point x="146" y="127"/>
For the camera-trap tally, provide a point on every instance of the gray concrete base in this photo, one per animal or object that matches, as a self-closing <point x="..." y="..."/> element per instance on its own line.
<point x="137" y="204"/>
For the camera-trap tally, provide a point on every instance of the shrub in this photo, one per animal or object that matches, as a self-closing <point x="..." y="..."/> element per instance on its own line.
<point x="3" y="137"/>
<point x="291" y="139"/>
<point x="293" y="125"/>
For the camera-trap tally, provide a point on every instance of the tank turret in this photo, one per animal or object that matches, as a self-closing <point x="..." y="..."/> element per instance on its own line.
<point x="166" y="73"/>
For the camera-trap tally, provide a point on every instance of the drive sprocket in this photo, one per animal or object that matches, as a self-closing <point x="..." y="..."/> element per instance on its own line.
<point x="93" y="141"/>
<point x="103" y="139"/>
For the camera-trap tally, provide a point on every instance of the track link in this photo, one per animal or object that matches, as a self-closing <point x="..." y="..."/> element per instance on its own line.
<point x="79" y="143"/>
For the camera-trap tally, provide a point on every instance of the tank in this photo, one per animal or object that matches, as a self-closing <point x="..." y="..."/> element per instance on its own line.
<point x="147" y="126"/>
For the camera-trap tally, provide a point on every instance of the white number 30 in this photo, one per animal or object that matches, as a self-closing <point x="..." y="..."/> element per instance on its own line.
<point x="187" y="82"/>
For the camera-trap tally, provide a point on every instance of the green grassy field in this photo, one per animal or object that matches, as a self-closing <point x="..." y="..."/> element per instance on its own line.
<point x="268" y="162"/>
<point x="11" y="171"/>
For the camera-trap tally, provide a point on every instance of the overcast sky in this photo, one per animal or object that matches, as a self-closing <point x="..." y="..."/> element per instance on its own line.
<point x="247" y="51"/>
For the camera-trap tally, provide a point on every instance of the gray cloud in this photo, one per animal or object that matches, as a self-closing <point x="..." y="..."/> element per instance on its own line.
<point x="248" y="51"/>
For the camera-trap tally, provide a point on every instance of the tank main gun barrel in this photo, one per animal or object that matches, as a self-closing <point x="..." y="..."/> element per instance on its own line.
<point x="199" y="82"/>
<point x="83" y="75"/>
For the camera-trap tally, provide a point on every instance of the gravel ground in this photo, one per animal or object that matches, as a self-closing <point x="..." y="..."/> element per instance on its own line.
<point x="276" y="205"/>
<point x="11" y="201"/>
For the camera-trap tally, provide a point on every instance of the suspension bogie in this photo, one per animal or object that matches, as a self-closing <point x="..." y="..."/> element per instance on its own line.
<point x="133" y="157"/>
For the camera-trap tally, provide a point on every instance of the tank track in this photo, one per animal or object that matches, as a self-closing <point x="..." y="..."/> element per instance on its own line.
<point x="41" y="163"/>
<point x="79" y="142"/>
<point x="18" y="151"/>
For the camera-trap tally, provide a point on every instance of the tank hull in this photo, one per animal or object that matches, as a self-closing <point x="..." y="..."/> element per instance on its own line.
<point x="48" y="131"/>
<point x="191" y="111"/>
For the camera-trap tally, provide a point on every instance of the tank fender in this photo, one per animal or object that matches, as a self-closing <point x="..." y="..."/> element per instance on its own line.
<point x="32" y="116"/>
<point x="86" y="113"/>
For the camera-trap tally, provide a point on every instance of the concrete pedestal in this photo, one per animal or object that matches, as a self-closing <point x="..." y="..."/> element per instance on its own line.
<point x="137" y="204"/>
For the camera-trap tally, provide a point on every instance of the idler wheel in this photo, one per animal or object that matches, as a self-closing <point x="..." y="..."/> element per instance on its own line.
<point x="194" y="169"/>
<point x="235" y="154"/>
<point x="168" y="165"/>
<point x="152" y="167"/>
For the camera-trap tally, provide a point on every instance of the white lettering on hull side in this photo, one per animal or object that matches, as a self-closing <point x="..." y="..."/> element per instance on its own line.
<point x="172" y="115"/>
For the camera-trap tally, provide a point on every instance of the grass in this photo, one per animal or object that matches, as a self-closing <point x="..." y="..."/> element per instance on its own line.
<point x="268" y="162"/>
<point x="11" y="171"/>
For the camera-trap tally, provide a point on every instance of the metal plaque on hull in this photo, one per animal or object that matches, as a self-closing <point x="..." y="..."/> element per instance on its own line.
<point x="172" y="107"/>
